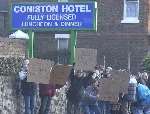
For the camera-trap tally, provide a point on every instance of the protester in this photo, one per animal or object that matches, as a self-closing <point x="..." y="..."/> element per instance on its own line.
<point x="130" y="98"/>
<point x="90" y="97"/>
<point x="96" y="74"/>
<point x="74" y="91"/>
<point x="28" y="89"/>
<point x="142" y="105"/>
<point x="124" y="104"/>
<point x="146" y="77"/>
<point x="46" y="92"/>
<point x="104" y="106"/>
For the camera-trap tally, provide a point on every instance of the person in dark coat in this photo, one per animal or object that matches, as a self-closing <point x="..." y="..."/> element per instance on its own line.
<point x="28" y="89"/>
<point x="90" y="97"/>
<point x="74" y="92"/>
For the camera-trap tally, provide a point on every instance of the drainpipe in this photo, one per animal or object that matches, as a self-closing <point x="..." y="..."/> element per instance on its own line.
<point x="31" y="44"/>
<point x="148" y="28"/>
<point x="129" y="61"/>
<point x="73" y="40"/>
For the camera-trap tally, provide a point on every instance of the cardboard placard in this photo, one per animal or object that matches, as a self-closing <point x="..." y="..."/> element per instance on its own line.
<point x="39" y="71"/>
<point x="45" y="72"/>
<point x="86" y="59"/>
<point x="109" y="88"/>
<point x="60" y="73"/>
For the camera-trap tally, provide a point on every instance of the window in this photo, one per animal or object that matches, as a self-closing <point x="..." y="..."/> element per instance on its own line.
<point x="62" y="44"/>
<point x="62" y="41"/>
<point x="4" y="5"/>
<point x="2" y="24"/>
<point x="62" y="0"/>
<point x="62" y="57"/>
<point x="62" y="48"/>
<point x="131" y="11"/>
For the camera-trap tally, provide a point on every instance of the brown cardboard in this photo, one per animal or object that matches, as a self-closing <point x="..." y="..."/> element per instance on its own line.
<point x="45" y="72"/>
<point x="86" y="59"/>
<point x="109" y="88"/>
<point x="60" y="73"/>
<point x="39" y="70"/>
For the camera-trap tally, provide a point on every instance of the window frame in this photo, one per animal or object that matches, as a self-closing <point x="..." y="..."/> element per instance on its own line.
<point x="58" y="43"/>
<point x="61" y="37"/>
<point x="129" y="19"/>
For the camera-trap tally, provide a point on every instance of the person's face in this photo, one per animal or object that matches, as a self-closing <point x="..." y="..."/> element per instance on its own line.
<point x="26" y="62"/>
<point x="145" y="76"/>
<point x="79" y="73"/>
<point x="95" y="83"/>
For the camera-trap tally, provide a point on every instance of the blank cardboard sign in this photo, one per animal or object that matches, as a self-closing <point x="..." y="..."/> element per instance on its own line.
<point x="86" y="59"/>
<point x="109" y="88"/>
<point x="39" y="71"/>
<point x="60" y="73"/>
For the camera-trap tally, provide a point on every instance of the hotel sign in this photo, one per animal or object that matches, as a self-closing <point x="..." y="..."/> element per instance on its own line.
<point x="51" y="16"/>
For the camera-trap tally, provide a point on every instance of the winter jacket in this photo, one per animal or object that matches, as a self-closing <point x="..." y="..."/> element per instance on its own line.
<point x="90" y="96"/>
<point x="46" y="90"/>
<point x="28" y="88"/>
<point x="143" y="94"/>
<point x="74" y="92"/>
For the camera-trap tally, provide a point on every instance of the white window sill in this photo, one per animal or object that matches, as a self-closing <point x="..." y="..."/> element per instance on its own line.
<point x="133" y="20"/>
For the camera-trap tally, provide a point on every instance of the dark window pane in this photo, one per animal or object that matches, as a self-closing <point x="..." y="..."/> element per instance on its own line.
<point x="1" y="24"/>
<point x="3" y="5"/>
<point x="131" y="0"/>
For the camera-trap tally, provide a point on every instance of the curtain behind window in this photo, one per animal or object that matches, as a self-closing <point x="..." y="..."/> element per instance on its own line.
<point x="132" y="9"/>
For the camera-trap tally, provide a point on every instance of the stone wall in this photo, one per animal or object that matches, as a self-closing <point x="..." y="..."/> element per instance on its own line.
<point x="10" y="51"/>
<point x="12" y="103"/>
<point x="12" y="47"/>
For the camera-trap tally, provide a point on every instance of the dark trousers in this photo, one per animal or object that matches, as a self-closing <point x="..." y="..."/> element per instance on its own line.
<point x="141" y="109"/>
<point x="104" y="107"/>
<point x="29" y="104"/>
<point x="124" y="109"/>
<point x="45" y="105"/>
<point x="90" y="109"/>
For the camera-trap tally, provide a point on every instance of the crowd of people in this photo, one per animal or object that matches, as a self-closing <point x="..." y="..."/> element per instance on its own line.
<point x="82" y="94"/>
<point x="29" y="91"/>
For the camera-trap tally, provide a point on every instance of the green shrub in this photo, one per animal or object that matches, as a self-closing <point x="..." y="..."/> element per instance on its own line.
<point x="146" y="63"/>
